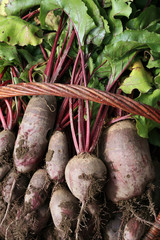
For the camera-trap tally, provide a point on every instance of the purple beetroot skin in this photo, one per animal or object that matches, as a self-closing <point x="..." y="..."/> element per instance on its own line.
<point x="133" y="230"/>
<point x="128" y="161"/>
<point x="31" y="142"/>
<point x="57" y="156"/>
<point x="37" y="190"/>
<point x="7" y="140"/>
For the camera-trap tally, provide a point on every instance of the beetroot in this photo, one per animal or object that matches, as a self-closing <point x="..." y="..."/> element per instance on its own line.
<point x="64" y="210"/>
<point x="128" y="160"/>
<point x="133" y="230"/>
<point x="37" y="190"/>
<point x="7" y="140"/>
<point x="57" y="156"/>
<point x="85" y="176"/>
<point x="31" y="142"/>
<point x="14" y="186"/>
<point x="37" y="220"/>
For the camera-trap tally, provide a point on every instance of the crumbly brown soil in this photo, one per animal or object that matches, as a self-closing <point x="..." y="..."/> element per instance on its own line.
<point x="142" y="208"/>
<point x="95" y="186"/>
<point x="66" y="224"/>
<point x="21" y="150"/>
<point x="11" y="229"/>
<point x="6" y="157"/>
<point x="49" y="155"/>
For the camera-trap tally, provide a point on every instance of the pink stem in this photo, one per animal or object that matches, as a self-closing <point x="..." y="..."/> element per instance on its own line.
<point x="57" y="61"/>
<point x="87" y="142"/>
<point x="80" y="123"/>
<point x="60" y="64"/>
<point x="97" y="69"/>
<point x="128" y="116"/>
<point x="97" y="131"/>
<point x="30" y="72"/>
<point x="66" y="100"/>
<point x="9" y="115"/>
<point x="65" y="68"/>
<point x="66" y="117"/>
<point x="6" y="83"/>
<point x="16" y="71"/>
<point x="24" y="105"/>
<point x="17" y="113"/>
<point x="4" y="125"/>
<point x="62" y="111"/>
<point x="71" y="108"/>
<point x="43" y="52"/>
<point x="66" y="124"/>
<point x="49" y="66"/>
<point x="72" y="126"/>
<point x="99" y="115"/>
<point x="29" y="15"/>
<point x="103" y="111"/>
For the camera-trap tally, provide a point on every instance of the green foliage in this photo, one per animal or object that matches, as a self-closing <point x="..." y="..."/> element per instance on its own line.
<point x="144" y="125"/>
<point x="14" y="30"/>
<point x="148" y="19"/>
<point x="76" y="10"/>
<point x="17" y="7"/>
<point x="139" y="79"/>
<point x="120" y="8"/>
<point x="8" y="55"/>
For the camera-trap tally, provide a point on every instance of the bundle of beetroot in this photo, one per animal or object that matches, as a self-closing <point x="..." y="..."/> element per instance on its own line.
<point x="79" y="120"/>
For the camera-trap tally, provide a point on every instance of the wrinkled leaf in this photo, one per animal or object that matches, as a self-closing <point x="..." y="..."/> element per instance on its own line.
<point x="107" y="3"/>
<point x="122" y="49"/>
<point x="157" y="81"/>
<point x="76" y="10"/>
<point x="97" y="35"/>
<point x="139" y="79"/>
<point x="14" y="30"/>
<point x="17" y="7"/>
<point x="6" y="75"/>
<point x="52" y="21"/>
<point x="118" y="56"/>
<point x="147" y="19"/>
<point x="8" y="55"/>
<point x="120" y="8"/>
<point x="26" y="55"/>
<point x="144" y="126"/>
<point x="142" y="37"/>
<point x="153" y="63"/>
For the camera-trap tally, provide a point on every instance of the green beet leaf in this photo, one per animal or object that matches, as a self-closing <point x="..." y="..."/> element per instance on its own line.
<point x="147" y="19"/>
<point x="14" y="30"/>
<point x="97" y="35"/>
<point x="76" y="10"/>
<point x="8" y="55"/>
<point x="120" y="8"/>
<point x="16" y="7"/>
<point x="142" y="37"/>
<point x="139" y="79"/>
<point x="144" y="125"/>
<point x="157" y="81"/>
